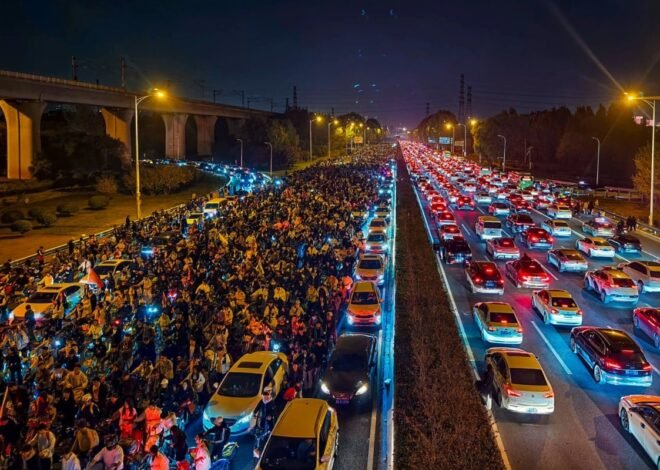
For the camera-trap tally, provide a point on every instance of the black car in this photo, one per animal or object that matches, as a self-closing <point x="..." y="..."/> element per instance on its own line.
<point x="455" y="250"/>
<point x="612" y="355"/>
<point x="519" y="222"/>
<point x="625" y="243"/>
<point x="348" y="375"/>
<point x="159" y="243"/>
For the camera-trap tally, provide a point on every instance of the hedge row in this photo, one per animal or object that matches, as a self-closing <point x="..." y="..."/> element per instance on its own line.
<point x="439" y="418"/>
<point x="160" y="179"/>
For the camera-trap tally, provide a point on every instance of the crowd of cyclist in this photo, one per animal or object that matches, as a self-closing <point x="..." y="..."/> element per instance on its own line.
<point x="116" y="380"/>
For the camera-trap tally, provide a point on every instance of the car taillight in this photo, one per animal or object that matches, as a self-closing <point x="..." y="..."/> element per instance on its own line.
<point x="519" y="330"/>
<point x="554" y="310"/>
<point x="551" y="239"/>
<point x="579" y="312"/>
<point x="612" y="364"/>
<point x="512" y="393"/>
<point x="549" y="394"/>
<point x="478" y="280"/>
<point x="535" y="239"/>
<point x="490" y="328"/>
<point x="500" y="281"/>
<point x="646" y="367"/>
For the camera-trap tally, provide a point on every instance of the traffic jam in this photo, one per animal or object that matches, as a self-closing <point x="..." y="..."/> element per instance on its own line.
<point x="558" y="312"/>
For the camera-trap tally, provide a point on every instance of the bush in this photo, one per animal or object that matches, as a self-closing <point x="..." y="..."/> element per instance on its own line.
<point x="46" y="218"/>
<point x="21" y="226"/>
<point x="160" y="179"/>
<point x="452" y="430"/>
<point x="36" y="212"/>
<point x="67" y="208"/>
<point x="98" y="202"/>
<point x="11" y="216"/>
<point x="107" y="185"/>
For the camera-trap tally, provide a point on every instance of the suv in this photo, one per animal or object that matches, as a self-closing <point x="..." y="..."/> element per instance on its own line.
<point x="611" y="284"/>
<point x="645" y="273"/>
<point x="487" y="227"/>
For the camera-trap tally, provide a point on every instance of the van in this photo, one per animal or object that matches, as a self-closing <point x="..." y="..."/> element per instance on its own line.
<point x="211" y="207"/>
<point x="488" y="227"/>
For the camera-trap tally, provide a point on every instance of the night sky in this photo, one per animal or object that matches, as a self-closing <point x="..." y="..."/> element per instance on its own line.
<point x="384" y="59"/>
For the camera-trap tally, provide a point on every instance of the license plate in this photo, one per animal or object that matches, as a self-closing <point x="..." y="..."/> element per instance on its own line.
<point x="544" y="241"/>
<point x="342" y="401"/>
<point x="532" y="410"/>
<point x="631" y="372"/>
<point x="490" y="284"/>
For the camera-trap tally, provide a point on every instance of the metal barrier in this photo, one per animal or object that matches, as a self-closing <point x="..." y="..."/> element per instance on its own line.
<point x="640" y="226"/>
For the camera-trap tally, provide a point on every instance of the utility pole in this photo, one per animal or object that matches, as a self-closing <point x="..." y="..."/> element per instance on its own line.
<point x="74" y="68"/>
<point x="123" y="73"/>
<point x="216" y="93"/>
<point x="504" y="154"/>
<point x="597" y="159"/>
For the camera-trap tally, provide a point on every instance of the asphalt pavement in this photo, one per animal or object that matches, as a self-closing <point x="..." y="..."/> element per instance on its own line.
<point x="584" y="431"/>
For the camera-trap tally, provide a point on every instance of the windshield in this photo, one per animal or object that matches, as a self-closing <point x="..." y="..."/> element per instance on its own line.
<point x="503" y="317"/>
<point x="627" y="356"/>
<point x="240" y="384"/>
<point x="364" y="298"/>
<point x="656" y="274"/>
<point x="492" y="225"/>
<point x="560" y="223"/>
<point x="376" y="237"/>
<point x="527" y="377"/>
<point x="211" y="205"/>
<point x="563" y="303"/>
<point x="505" y="242"/>
<point x="42" y="297"/>
<point x="289" y="453"/>
<point x="370" y="264"/>
<point x="348" y="362"/>
<point x="377" y="223"/>
<point x="531" y="267"/>
<point x="623" y="282"/>
<point x="601" y="243"/>
<point x="104" y="269"/>
<point x="574" y="256"/>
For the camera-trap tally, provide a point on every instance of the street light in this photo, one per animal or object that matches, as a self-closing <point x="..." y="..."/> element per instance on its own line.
<point x="504" y="155"/>
<point x="335" y="122"/>
<point x="597" y="159"/>
<point x="138" y="196"/>
<point x="271" y="157"/>
<point x="453" y="136"/>
<point x="317" y="119"/>
<point x="649" y="100"/>
<point x="241" y="141"/>
<point x="464" y="138"/>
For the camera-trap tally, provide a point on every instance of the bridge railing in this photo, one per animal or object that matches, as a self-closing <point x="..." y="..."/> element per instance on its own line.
<point x="59" y="81"/>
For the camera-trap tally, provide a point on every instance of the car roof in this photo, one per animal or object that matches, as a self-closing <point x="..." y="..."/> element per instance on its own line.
<point x="498" y="307"/>
<point x="58" y="287"/>
<point x="520" y="359"/>
<point x="567" y="251"/>
<point x="559" y="293"/>
<point x="364" y="286"/>
<point x="353" y="342"/>
<point x="112" y="262"/>
<point x="616" y="337"/>
<point x="488" y="218"/>
<point x="301" y="418"/>
<point x="652" y="265"/>
<point x="617" y="273"/>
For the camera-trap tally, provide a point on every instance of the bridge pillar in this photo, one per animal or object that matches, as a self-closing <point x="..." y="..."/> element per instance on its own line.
<point x="175" y="135"/>
<point x="234" y="125"/>
<point x="118" y="126"/>
<point x="205" y="134"/>
<point x="23" y="136"/>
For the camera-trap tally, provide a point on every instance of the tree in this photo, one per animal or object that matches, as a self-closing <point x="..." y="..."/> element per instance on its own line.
<point x="642" y="177"/>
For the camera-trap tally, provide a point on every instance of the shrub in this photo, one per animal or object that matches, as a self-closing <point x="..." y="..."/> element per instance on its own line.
<point x="12" y="215"/>
<point x="107" y="185"/>
<point x="160" y="179"/>
<point x="21" y="226"/>
<point x="46" y="218"/>
<point x="67" y="208"/>
<point x="98" y="202"/>
<point x="36" y="212"/>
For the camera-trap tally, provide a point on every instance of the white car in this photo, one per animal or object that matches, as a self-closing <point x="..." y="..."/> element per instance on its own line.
<point x="108" y="268"/>
<point x="640" y="416"/>
<point x="595" y="247"/>
<point x="557" y="228"/>
<point x="611" y="284"/>
<point x="378" y="226"/>
<point x="42" y="301"/>
<point x="482" y="198"/>
<point x="559" y="211"/>
<point x="497" y="322"/>
<point x="646" y="274"/>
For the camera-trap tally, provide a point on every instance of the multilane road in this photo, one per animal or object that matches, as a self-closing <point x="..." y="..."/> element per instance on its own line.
<point x="584" y="430"/>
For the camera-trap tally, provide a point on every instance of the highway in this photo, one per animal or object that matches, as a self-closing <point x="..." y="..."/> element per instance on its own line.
<point x="584" y="430"/>
<point x="361" y="423"/>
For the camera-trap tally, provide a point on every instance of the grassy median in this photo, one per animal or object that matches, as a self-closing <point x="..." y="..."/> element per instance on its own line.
<point x="440" y="422"/>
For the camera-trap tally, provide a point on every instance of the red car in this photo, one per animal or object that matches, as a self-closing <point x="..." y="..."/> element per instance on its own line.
<point x="535" y="237"/>
<point x="647" y="320"/>
<point x="527" y="272"/>
<point x="464" y="203"/>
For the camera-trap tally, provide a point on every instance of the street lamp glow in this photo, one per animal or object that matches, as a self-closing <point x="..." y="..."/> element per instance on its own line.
<point x="319" y="118"/>
<point x="449" y="126"/>
<point x="473" y="122"/>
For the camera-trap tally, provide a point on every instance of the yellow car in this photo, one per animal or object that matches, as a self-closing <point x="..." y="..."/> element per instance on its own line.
<point x="364" y="304"/>
<point x="557" y="307"/>
<point x="305" y="436"/>
<point x="519" y="383"/>
<point x="194" y="218"/>
<point x="42" y="301"/>
<point x="497" y="322"/>
<point x="239" y="393"/>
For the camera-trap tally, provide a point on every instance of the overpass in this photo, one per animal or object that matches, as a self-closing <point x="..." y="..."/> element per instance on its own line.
<point x="23" y="98"/>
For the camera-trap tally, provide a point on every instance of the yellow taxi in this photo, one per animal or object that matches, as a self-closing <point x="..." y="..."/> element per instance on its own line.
<point x="519" y="383"/>
<point x="240" y="392"/>
<point x="364" y="304"/>
<point x="305" y="436"/>
<point x="557" y="307"/>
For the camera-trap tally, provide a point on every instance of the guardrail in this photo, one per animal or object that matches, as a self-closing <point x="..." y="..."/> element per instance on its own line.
<point x="640" y="225"/>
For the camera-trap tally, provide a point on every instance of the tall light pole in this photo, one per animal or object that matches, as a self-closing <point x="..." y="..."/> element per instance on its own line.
<point x="335" y="122"/>
<point x="649" y="100"/>
<point x="453" y="136"/>
<point x="464" y="138"/>
<point x="271" y="157"/>
<point x="241" y="141"/>
<point x="138" y="196"/>
<point x="597" y="159"/>
<point x="504" y="154"/>
<point x="317" y="119"/>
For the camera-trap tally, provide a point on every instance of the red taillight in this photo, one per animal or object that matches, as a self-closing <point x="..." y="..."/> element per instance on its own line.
<point x="535" y="239"/>
<point x="549" y="394"/>
<point x="490" y="328"/>
<point x="478" y="280"/>
<point x="646" y="367"/>
<point x="551" y="239"/>
<point x="579" y="312"/>
<point x="554" y="310"/>
<point x="500" y="281"/>
<point x="511" y="392"/>
<point x="519" y="330"/>
<point x="611" y="364"/>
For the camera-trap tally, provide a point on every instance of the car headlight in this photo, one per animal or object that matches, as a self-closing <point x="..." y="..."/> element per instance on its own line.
<point x="362" y="390"/>
<point x="324" y="388"/>
<point x="206" y="416"/>
<point x="244" y="420"/>
<point x="350" y="320"/>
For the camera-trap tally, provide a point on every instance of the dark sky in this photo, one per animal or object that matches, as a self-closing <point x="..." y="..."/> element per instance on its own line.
<point x="382" y="58"/>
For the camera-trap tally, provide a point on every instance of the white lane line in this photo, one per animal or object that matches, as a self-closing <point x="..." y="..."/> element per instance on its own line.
<point x="547" y="270"/>
<point x="623" y="258"/>
<point x="552" y="350"/>
<point x="374" y="413"/>
<point x="466" y="228"/>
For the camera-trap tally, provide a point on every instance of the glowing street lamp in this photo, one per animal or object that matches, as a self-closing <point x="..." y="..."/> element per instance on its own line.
<point x="335" y="122"/>
<point x="453" y="135"/>
<point x="317" y="119"/>
<point x="649" y="100"/>
<point x="160" y="94"/>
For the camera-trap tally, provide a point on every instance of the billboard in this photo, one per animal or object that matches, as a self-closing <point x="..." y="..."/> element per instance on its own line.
<point x="357" y="139"/>
<point x="444" y="140"/>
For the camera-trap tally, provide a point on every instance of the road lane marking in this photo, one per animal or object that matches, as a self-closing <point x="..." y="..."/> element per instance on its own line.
<point x="466" y="228"/>
<point x="374" y="413"/>
<point x="547" y="270"/>
<point x="552" y="350"/>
